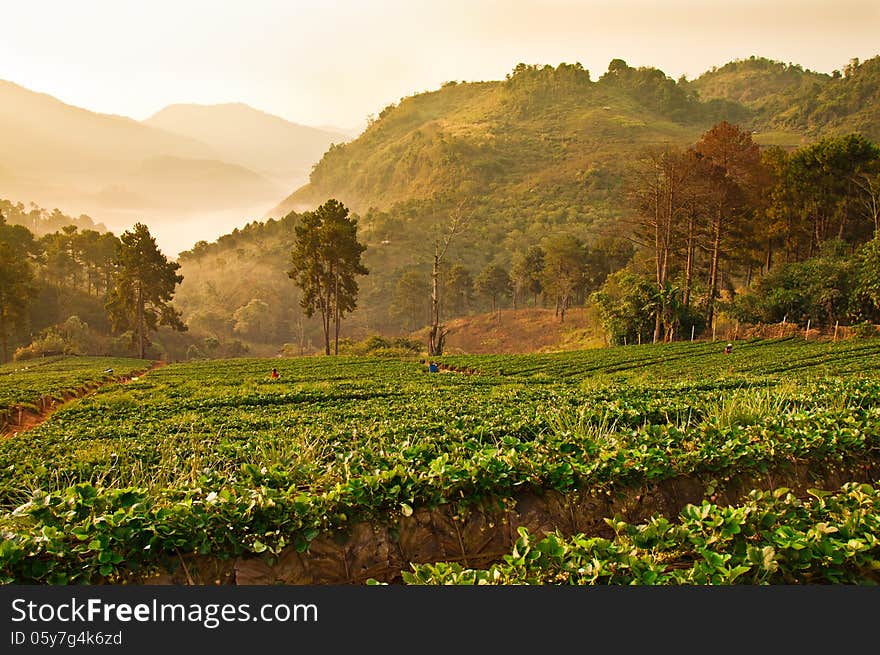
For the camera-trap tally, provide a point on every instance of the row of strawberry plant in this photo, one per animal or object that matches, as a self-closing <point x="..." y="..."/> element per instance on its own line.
<point x="84" y="532"/>
<point x="773" y="538"/>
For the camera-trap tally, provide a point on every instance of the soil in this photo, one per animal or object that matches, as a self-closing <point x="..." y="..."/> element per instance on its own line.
<point x="481" y="535"/>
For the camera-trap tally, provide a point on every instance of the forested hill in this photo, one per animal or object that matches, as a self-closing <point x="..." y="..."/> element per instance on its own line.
<point x="542" y="133"/>
<point x="547" y="132"/>
<point x="42" y="221"/>
<point x="538" y="155"/>
<point x="787" y="97"/>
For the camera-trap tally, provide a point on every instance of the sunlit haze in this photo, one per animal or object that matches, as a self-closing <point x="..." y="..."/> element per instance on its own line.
<point x="335" y="62"/>
<point x="323" y="64"/>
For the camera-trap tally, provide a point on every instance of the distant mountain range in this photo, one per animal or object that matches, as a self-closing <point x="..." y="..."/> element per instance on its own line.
<point x="185" y="159"/>
<point x="273" y="147"/>
<point x="542" y="150"/>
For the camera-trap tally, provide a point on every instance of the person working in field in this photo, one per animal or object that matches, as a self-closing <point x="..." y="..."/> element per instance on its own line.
<point x="728" y="349"/>
<point x="432" y="366"/>
<point x="274" y="374"/>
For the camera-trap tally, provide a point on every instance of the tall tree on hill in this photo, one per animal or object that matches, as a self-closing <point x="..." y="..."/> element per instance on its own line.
<point x="564" y="269"/>
<point x="526" y="273"/>
<point x="868" y="184"/>
<point x="661" y="194"/>
<point x="16" y="279"/>
<point x="458" y="221"/>
<point x="459" y="290"/>
<point x="734" y="172"/>
<point x="143" y="286"/>
<point x="326" y="259"/>
<point x="493" y="282"/>
<point x="827" y="180"/>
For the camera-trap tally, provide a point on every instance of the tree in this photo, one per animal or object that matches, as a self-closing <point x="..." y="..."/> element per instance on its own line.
<point x="459" y="290"/>
<point x="493" y="282"/>
<point x="827" y="178"/>
<point x="662" y="195"/>
<point x="254" y="321"/>
<point x="868" y="282"/>
<point x="143" y="286"/>
<point x="16" y="279"/>
<point x="734" y="171"/>
<point x="564" y="269"/>
<point x="409" y="302"/>
<point x="326" y="259"/>
<point x="627" y="304"/>
<point x="526" y="273"/>
<point x="868" y="185"/>
<point x="821" y="289"/>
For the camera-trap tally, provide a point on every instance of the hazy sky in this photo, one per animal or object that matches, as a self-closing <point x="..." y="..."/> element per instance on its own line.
<point x="335" y="62"/>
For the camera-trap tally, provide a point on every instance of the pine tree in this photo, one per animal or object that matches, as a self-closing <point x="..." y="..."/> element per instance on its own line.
<point x="326" y="258"/>
<point x="143" y="285"/>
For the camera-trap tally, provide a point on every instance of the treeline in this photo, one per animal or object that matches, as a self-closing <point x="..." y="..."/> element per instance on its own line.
<point x="42" y="221"/>
<point x="83" y="292"/>
<point x="723" y="214"/>
<point x="560" y="271"/>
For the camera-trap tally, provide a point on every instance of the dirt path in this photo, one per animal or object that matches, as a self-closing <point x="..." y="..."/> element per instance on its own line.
<point x="23" y="419"/>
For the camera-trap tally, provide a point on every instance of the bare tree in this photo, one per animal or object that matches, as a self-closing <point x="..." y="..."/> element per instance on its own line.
<point x="662" y="200"/>
<point x="457" y="223"/>
<point x="869" y="185"/>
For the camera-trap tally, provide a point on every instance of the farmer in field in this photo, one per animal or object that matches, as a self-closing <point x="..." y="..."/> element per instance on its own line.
<point x="432" y="367"/>
<point x="728" y="349"/>
<point x="274" y="374"/>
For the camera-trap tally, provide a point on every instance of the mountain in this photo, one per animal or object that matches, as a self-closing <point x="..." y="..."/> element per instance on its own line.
<point x="804" y="104"/>
<point x="272" y="146"/>
<point x="515" y="139"/>
<point x="540" y="153"/>
<point x="546" y="127"/>
<point x="113" y="167"/>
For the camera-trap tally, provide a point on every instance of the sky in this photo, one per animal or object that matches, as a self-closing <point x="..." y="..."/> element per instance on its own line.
<point x="337" y="62"/>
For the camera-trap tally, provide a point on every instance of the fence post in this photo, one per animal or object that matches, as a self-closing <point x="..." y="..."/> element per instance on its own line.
<point x="624" y="339"/>
<point x="807" y="333"/>
<point x="640" y="337"/>
<point x="714" y="325"/>
<point x="693" y="327"/>
<point x="836" y="323"/>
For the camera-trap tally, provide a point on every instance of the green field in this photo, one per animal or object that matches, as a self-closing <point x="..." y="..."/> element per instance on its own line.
<point x="25" y="383"/>
<point x="213" y="458"/>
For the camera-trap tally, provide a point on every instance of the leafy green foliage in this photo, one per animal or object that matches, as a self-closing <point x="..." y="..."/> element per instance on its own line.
<point x="835" y="286"/>
<point x="216" y="457"/>
<point x="25" y="383"/>
<point x="773" y="538"/>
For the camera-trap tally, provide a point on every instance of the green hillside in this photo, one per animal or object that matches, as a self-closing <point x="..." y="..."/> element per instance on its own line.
<point x="803" y="103"/>
<point x="546" y="126"/>
<point x="515" y="140"/>
<point x="540" y="153"/>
